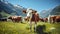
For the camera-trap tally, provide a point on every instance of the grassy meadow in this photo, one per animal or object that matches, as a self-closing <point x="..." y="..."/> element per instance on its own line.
<point x="23" y="28"/>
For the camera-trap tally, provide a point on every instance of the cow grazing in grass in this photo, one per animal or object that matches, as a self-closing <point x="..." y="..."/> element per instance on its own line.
<point x="45" y="19"/>
<point x="54" y="18"/>
<point x="57" y="19"/>
<point x="33" y="16"/>
<point x="41" y="19"/>
<point x="3" y="19"/>
<point x="16" y="18"/>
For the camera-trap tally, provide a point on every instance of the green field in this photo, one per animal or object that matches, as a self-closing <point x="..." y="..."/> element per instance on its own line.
<point x="23" y="28"/>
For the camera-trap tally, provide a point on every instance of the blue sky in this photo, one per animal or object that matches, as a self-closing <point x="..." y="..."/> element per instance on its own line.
<point x="38" y="5"/>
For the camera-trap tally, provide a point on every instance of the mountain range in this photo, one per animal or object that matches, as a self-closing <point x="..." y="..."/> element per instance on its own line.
<point x="54" y="11"/>
<point x="7" y="9"/>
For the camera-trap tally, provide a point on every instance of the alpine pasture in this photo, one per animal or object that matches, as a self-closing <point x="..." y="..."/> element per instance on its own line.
<point x="23" y="28"/>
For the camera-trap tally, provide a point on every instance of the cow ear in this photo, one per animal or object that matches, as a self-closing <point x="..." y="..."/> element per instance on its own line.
<point x="32" y="12"/>
<point x="24" y="11"/>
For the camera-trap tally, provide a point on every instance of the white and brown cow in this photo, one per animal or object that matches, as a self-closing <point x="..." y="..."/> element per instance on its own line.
<point x="54" y="18"/>
<point x="57" y="19"/>
<point x="15" y="18"/>
<point x="33" y="16"/>
<point x="45" y="19"/>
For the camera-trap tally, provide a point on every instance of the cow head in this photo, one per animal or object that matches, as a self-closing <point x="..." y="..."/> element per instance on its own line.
<point x="10" y="17"/>
<point x="33" y="11"/>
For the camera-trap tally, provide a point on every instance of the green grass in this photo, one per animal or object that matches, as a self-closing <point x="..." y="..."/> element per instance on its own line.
<point x="23" y="28"/>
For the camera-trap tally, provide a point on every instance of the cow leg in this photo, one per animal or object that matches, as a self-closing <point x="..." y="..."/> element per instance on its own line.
<point x="35" y="24"/>
<point x="55" y="20"/>
<point x="21" y="21"/>
<point x="51" y="20"/>
<point x="30" y="23"/>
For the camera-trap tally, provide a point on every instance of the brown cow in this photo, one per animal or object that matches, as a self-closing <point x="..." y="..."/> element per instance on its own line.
<point x="41" y="19"/>
<point x="57" y="19"/>
<point x="45" y="19"/>
<point x="15" y="18"/>
<point x="54" y="19"/>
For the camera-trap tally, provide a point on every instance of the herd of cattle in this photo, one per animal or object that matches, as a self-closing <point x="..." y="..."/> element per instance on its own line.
<point x="51" y="19"/>
<point x="35" y="17"/>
